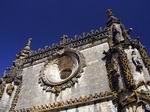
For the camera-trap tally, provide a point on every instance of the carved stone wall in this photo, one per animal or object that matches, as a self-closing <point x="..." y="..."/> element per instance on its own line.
<point x="93" y="80"/>
<point x="100" y="71"/>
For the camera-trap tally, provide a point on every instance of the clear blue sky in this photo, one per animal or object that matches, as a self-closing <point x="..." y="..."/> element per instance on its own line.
<point x="46" y="20"/>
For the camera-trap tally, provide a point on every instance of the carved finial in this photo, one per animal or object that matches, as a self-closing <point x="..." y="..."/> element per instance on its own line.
<point x="129" y="30"/>
<point x="64" y="39"/>
<point x="29" y="42"/>
<point x="25" y="52"/>
<point x="109" y="12"/>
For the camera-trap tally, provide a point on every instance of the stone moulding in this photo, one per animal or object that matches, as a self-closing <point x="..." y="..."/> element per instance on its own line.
<point x="143" y="52"/>
<point x="68" y="82"/>
<point x="72" y="103"/>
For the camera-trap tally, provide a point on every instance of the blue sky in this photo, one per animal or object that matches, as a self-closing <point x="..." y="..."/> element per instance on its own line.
<point x="47" y="20"/>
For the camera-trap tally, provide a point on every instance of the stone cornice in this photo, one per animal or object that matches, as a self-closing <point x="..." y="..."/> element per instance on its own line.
<point x="71" y="103"/>
<point x="78" y="41"/>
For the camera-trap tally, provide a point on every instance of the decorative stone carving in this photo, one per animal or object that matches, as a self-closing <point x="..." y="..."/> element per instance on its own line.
<point x="12" y="77"/>
<point x="120" y="35"/>
<point x="136" y="44"/>
<point x="147" y="106"/>
<point x="64" y="39"/>
<point x="15" y="99"/>
<point x="112" y="67"/>
<point x="111" y="19"/>
<point x="2" y="86"/>
<point x="25" y="52"/>
<point x="12" y="74"/>
<point x="9" y="89"/>
<point x="62" y="71"/>
<point x="99" y="35"/>
<point x="72" y="103"/>
<point x="67" y="66"/>
<point x="137" y="62"/>
<point x="117" y="34"/>
<point x="124" y="63"/>
<point x="116" y="73"/>
<point x="135" y="99"/>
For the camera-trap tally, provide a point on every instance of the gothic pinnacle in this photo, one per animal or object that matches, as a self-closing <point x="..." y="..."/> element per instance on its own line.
<point x="25" y="51"/>
<point x="28" y="44"/>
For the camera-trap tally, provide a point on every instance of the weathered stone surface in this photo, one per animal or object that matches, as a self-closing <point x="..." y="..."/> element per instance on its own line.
<point x="5" y="102"/>
<point x="94" y="79"/>
<point x="144" y="75"/>
<point x="99" y="107"/>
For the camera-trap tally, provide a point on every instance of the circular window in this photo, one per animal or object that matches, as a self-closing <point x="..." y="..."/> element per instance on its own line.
<point x="61" y="68"/>
<point x="61" y="71"/>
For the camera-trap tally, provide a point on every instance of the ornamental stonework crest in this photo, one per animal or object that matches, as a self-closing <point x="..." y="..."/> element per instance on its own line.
<point x="61" y="70"/>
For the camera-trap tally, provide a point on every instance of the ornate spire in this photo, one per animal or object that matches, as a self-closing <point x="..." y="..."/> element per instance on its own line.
<point x="25" y="51"/>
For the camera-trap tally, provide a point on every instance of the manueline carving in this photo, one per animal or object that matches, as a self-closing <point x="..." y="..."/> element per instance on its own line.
<point x="143" y="52"/>
<point x="111" y="67"/>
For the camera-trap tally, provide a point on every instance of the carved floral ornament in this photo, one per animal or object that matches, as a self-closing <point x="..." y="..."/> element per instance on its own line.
<point x="61" y="71"/>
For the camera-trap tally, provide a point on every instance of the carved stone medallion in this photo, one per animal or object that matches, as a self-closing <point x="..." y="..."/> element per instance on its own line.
<point x="61" y="71"/>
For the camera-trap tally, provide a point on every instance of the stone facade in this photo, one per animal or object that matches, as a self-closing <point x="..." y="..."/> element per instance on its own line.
<point x="100" y="71"/>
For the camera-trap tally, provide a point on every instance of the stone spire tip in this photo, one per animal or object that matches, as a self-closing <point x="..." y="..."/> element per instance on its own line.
<point x="109" y="12"/>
